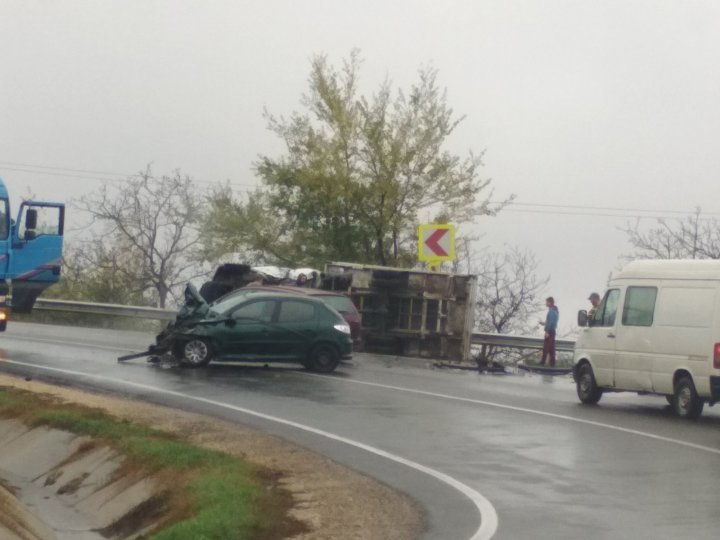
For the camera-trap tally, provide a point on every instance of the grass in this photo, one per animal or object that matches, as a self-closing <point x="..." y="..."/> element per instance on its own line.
<point x="207" y="495"/>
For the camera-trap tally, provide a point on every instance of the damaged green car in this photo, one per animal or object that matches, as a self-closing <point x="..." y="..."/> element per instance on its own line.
<point x="257" y="326"/>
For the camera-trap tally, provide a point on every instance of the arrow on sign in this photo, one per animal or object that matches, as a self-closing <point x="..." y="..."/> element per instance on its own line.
<point x="432" y="242"/>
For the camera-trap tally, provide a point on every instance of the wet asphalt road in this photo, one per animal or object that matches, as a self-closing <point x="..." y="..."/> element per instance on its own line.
<point x="536" y="462"/>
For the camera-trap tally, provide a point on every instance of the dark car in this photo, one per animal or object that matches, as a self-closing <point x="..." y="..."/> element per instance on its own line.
<point x="264" y="326"/>
<point x="338" y="301"/>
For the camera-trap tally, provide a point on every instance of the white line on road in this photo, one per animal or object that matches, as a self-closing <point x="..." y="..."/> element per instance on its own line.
<point x="489" y="519"/>
<point x="525" y="410"/>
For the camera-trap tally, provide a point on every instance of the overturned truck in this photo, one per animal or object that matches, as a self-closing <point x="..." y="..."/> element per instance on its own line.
<point x="404" y="312"/>
<point x="409" y="312"/>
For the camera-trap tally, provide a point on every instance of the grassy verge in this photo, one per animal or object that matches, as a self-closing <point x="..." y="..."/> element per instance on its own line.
<point x="202" y="494"/>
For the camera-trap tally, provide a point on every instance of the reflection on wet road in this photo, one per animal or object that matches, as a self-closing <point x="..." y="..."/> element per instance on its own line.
<point x="550" y="467"/>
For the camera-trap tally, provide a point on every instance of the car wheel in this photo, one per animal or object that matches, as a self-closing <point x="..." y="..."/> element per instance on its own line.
<point x="587" y="388"/>
<point x="323" y="358"/>
<point x="196" y="352"/>
<point x="686" y="402"/>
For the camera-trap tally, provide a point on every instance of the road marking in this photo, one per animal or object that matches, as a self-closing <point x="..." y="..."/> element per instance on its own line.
<point x="488" y="515"/>
<point x="55" y="341"/>
<point x="525" y="410"/>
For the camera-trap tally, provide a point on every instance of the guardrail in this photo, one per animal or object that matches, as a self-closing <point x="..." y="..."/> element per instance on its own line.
<point x="118" y="310"/>
<point x="519" y="342"/>
<point x="478" y="338"/>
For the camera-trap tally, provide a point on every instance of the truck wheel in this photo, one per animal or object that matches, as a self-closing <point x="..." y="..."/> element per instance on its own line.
<point x="587" y="388"/>
<point x="686" y="402"/>
<point x="323" y="358"/>
<point x="195" y="353"/>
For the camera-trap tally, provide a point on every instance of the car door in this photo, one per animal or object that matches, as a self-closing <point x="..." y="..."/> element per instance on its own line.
<point x="295" y="328"/>
<point x="599" y="338"/>
<point x="246" y="333"/>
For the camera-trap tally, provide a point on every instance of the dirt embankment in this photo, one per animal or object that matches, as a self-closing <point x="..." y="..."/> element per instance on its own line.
<point x="333" y="502"/>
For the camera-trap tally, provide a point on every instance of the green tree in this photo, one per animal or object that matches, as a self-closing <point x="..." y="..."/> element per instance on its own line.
<point x="357" y="174"/>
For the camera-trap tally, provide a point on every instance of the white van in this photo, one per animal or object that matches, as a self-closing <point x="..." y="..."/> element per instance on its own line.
<point x="657" y="330"/>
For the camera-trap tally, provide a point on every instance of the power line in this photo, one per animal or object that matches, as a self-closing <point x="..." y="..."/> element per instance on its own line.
<point x="520" y="207"/>
<point x="585" y="214"/>
<point x="81" y="174"/>
<point x="606" y="208"/>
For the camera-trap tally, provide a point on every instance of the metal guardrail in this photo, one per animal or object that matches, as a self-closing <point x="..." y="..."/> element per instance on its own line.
<point x="479" y="338"/>
<point x="118" y="310"/>
<point x="519" y="342"/>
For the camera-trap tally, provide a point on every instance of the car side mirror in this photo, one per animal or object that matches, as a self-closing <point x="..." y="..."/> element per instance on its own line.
<point x="582" y="318"/>
<point x="230" y="322"/>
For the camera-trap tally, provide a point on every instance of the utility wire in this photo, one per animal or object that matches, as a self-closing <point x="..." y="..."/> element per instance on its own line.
<point x="513" y="207"/>
<point x="81" y="174"/>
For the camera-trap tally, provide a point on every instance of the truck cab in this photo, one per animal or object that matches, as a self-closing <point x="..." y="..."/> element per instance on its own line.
<point x="30" y="250"/>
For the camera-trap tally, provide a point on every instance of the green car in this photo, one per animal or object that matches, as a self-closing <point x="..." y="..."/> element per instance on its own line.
<point x="264" y="326"/>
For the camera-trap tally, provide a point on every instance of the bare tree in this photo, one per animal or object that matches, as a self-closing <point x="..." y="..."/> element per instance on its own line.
<point x="149" y="234"/>
<point x="92" y="271"/>
<point x="509" y="295"/>
<point x="693" y="237"/>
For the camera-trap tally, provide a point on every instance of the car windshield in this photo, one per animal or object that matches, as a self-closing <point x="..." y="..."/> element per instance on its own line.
<point x="340" y="303"/>
<point x="229" y="301"/>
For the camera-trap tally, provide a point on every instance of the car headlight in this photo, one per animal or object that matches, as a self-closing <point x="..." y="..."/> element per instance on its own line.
<point x="344" y="328"/>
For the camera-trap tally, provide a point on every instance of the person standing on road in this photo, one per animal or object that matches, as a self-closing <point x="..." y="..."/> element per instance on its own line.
<point x="550" y="323"/>
<point x="594" y="300"/>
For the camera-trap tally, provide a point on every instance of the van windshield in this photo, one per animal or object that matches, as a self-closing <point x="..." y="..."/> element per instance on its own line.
<point x="606" y="311"/>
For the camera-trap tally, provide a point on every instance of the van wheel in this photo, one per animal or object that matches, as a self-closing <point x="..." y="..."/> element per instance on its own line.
<point x="686" y="402"/>
<point x="195" y="353"/>
<point x="323" y="358"/>
<point x="587" y="388"/>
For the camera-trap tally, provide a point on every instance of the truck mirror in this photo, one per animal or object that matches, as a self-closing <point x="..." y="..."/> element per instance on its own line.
<point x="31" y="219"/>
<point x="582" y="318"/>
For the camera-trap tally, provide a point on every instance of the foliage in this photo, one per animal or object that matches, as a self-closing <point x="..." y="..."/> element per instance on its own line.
<point x="357" y="174"/>
<point x="149" y="244"/>
<point x="93" y="271"/>
<point x="693" y="237"/>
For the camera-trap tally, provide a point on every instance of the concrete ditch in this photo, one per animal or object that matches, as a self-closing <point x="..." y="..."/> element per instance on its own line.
<point x="60" y="486"/>
<point x="332" y="501"/>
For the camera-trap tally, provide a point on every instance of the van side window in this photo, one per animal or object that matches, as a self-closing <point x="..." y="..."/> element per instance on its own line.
<point x="639" y="306"/>
<point x="605" y="313"/>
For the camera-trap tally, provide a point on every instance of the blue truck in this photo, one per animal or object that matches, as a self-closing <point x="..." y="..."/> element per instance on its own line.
<point x="31" y="247"/>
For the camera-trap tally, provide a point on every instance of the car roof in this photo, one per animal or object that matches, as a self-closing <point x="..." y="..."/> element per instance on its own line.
<point x="298" y="291"/>
<point x="281" y="295"/>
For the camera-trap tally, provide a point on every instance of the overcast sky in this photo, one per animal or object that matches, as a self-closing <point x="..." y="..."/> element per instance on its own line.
<point x="608" y="104"/>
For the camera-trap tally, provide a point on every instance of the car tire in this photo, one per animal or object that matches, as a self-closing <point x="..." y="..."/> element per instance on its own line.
<point x="324" y="358"/>
<point x="587" y="389"/>
<point x="686" y="402"/>
<point x="196" y="352"/>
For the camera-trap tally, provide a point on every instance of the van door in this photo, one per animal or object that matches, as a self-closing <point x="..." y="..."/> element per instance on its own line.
<point x="599" y="338"/>
<point x="634" y="344"/>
